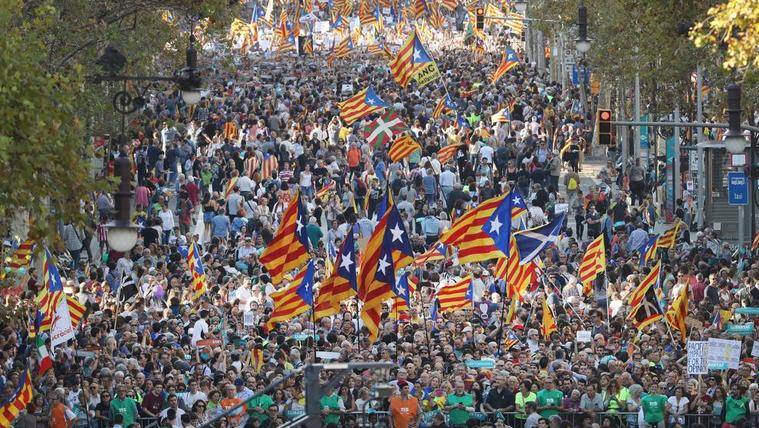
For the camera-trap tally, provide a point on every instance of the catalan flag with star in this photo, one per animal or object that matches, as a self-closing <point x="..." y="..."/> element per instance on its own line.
<point x="199" y="286"/>
<point x="388" y="250"/>
<point x="288" y="250"/>
<point x="446" y="103"/>
<point x="295" y="299"/>
<point x="17" y="402"/>
<point x="413" y="62"/>
<point x="360" y="105"/>
<point x="342" y="50"/>
<point x="342" y="282"/>
<point x="509" y="61"/>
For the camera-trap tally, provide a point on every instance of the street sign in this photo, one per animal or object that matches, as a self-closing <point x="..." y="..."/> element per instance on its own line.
<point x="737" y="188"/>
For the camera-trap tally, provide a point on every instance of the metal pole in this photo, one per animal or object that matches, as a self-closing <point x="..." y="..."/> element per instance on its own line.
<point x="581" y="82"/>
<point x="636" y="147"/>
<point x="623" y="135"/>
<point x="741" y="224"/>
<point x="677" y="192"/>
<point x="700" y="175"/>
<point x="563" y="61"/>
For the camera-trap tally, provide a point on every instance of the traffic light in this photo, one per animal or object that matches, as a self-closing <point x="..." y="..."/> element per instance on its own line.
<point x="604" y="128"/>
<point x="480" y="12"/>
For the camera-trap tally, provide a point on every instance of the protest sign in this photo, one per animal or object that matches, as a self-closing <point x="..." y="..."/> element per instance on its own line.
<point x="721" y="351"/>
<point x="697" y="357"/>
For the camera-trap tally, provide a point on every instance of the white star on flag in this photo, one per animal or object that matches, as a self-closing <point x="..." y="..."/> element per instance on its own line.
<point x="299" y="225"/>
<point x="397" y="233"/>
<point x="401" y="291"/>
<point x="383" y="264"/>
<point x="417" y="55"/>
<point x="515" y="200"/>
<point x="495" y="226"/>
<point x="346" y="262"/>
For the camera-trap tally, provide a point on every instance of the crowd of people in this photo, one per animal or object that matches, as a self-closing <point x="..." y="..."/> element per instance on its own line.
<point x="157" y="356"/>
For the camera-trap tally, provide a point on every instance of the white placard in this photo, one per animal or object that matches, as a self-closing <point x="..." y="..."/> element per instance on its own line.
<point x="697" y="361"/>
<point x="327" y="355"/>
<point x="321" y="27"/>
<point x="561" y="208"/>
<point x="755" y="350"/>
<point x="584" y="336"/>
<point x="723" y="351"/>
<point x="347" y="88"/>
<point x="248" y="318"/>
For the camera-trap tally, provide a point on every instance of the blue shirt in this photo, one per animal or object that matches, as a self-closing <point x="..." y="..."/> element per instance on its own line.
<point x="429" y="184"/>
<point x="220" y="226"/>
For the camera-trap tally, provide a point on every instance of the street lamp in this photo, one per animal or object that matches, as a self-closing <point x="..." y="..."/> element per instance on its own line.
<point x="735" y="141"/>
<point x="122" y="233"/>
<point x="520" y="6"/>
<point x="582" y="42"/>
<point x="187" y="79"/>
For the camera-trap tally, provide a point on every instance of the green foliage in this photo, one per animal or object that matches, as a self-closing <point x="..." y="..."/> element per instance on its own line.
<point x="44" y="166"/>
<point x="48" y="104"/>
<point x="630" y="36"/>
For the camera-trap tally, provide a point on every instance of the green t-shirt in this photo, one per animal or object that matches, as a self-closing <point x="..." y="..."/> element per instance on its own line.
<point x="549" y="398"/>
<point x="735" y="409"/>
<point x="263" y="401"/>
<point x="653" y="408"/>
<point x="331" y="402"/>
<point x="521" y="401"/>
<point x="459" y="416"/>
<point x="127" y="408"/>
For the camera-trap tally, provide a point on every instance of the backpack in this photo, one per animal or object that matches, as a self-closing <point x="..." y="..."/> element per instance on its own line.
<point x="572" y="184"/>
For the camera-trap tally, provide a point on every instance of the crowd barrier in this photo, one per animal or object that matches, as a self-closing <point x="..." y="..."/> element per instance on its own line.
<point x="379" y="419"/>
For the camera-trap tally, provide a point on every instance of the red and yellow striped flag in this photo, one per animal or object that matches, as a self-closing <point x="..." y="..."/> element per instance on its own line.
<point x="593" y="263"/>
<point x="454" y="296"/>
<point x="549" y="323"/>
<point x="293" y="300"/>
<point x="22" y="256"/>
<point x="677" y="312"/>
<point x="403" y="147"/>
<point x="668" y="238"/>
<point x="76" y="311"/>
<point x="21" y="397"/>
<point x="640" y="292"/>
<point x="755" y="242"/>
<point x="288" y="250"/>
<point x="445" y="154"/>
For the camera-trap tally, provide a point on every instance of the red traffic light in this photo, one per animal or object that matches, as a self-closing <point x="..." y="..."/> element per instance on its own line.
<point x="605" y="115"/>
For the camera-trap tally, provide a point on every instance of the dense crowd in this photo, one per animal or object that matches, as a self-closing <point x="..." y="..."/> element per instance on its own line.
<point x="148" y="356"/>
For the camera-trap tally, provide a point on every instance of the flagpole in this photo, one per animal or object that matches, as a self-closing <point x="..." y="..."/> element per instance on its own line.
<point x="501" y="319"/>
<point x="552" y="284"/>
<point x="358" y="326"/>
<point x="424" y="319"/>
<point x="397" y="328"/>
<point x="313" y="339"/>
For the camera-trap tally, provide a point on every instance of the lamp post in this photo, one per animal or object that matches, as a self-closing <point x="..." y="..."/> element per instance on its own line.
<point x="735" y="141"/>
<point x="122" y="233"/>
<point x="582" y="42"/>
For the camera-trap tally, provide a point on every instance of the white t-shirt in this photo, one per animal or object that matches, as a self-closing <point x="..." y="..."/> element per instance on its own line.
<point x="200" y="328"/>
<point x="244" y="183"/>
<point x="190" y="398"/>
<point x="177" y="421"/>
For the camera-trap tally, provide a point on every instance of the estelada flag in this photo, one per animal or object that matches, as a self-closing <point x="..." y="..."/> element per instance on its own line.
<point x="295" y="299"/>
<point x="288" y="250"/>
